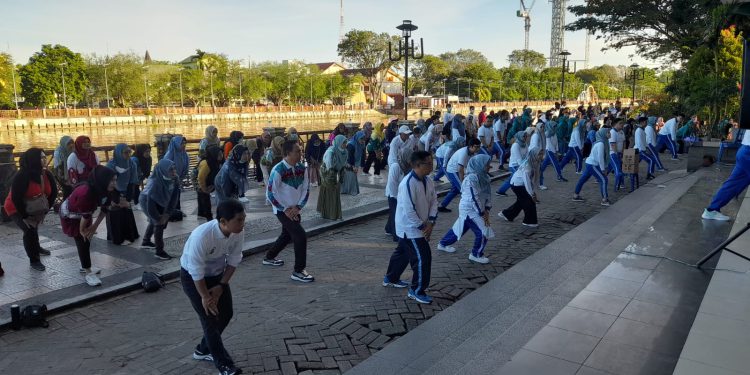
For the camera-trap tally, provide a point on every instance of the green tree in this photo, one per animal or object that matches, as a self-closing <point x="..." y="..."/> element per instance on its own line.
<point x="528" y="59"/>
<point x="125" y="78"/>
<point x="458" y="61"/>
<point x="428" y="73"/>
<point x="41" y="77"/>
<point x="369" y="51"/>
<point x="7" y="95"/>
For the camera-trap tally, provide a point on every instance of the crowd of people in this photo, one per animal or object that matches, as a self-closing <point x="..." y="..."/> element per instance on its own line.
<point x="416" y="156"/>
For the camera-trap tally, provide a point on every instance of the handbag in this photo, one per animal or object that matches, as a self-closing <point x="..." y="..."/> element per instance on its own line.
<point x="38" y="206"/>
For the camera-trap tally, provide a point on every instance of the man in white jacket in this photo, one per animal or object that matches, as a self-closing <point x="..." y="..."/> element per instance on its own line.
<point x="416" y="213"/>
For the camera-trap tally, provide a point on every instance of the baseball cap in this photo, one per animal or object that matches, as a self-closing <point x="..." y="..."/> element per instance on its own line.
<point x="404" y="130"/>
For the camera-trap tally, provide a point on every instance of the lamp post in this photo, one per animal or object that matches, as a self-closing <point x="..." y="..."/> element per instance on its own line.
<point x="211" y="85"/>
<point x="182" y="101"/>
<point x="636" y="74"/>
<point x="106" y="84"/>
<point x="405" y="51"/>
<point x="15" y="90"/>
<point x="565" y="66"/>
<point x="62" y="74"/>
<point x="145" y="85"/>
<point x="458" y="81"/>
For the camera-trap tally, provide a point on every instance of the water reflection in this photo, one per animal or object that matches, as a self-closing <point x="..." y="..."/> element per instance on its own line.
<point x="131" y="134"/>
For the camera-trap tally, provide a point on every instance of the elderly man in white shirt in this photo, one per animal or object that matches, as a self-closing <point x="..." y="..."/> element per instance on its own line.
<point x="398" y="143"/>
<point x="209" y="259"/>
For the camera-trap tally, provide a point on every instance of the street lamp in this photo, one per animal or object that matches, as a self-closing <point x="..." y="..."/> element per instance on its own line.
<point x="182" y="101"/>
<point x="405" y="51"/>
<point x="15" y="90"/>
<point x="565" y="66"/>
<point x="636" y="74"/>
<point x="106" y="84"/>
<point x="145" y="85"/>
<point x="62" y="74"/>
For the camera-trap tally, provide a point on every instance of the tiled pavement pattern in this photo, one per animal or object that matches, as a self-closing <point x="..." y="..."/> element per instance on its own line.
<point x="284" y="327"/>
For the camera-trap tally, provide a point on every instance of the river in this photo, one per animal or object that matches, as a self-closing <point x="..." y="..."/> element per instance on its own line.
<point x="132" y="134"/>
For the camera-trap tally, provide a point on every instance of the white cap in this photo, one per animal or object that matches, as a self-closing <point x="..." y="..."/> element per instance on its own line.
<point x="404" y="130"/>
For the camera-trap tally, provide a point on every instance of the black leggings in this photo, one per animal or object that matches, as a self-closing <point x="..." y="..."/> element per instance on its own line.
<point x="84" y="251"/>
<point x="524" y="202"/>
<point x="204" y="206"/>
<point x="30" y="239"/>
<point x="291" y="231"/>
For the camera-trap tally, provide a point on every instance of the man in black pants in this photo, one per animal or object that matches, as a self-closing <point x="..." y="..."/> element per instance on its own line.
<point x="211" y="254"/>
<point x="288" y="189"/>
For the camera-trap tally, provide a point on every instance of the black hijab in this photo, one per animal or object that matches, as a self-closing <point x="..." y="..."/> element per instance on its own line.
<point x="99" y="181"/>
<point x="31" y="164"/>
<point x="144" y="162"/>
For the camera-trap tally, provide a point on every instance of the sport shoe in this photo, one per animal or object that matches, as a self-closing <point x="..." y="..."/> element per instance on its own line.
<point x="531" y="225"/>
<point x="480" y="260"/>
<point x="447" y="249"/>
<point x="444" y="209"/>
<point x="229" y="370"/>
<point x="38" y="266"/>
<point x="273" y="262"/>
<point x="606" y="203"/>
<point x="44" y="251"/>
<point x="562" y="179"/>
<point x="542" y="187"/>
<point x="499" y="194"/>
<point x="502" y="216"/>
<point x="421" y="298"/>
<point x="162" y="255"/>
<point x="93" y="270"/>
<point x="577" y="199"/>
<point x="302" y="277"/>
<point x="399" y="284"/>
<point x="714" y="215"/>
<point x="198" y="356"/>
<point x="244" y="200"/>
<point x="92" y="280"/>
<point x="147" y="244"/>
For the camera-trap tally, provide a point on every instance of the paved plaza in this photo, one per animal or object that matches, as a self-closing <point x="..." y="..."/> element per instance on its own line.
<point x="280" y="326"/>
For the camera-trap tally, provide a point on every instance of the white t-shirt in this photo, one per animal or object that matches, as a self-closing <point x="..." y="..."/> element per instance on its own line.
<point x="459" y="159"/>
<point x="746" y="139"/>
<point x="640" y="140"/>
<point x="394" y="178"/>
<point x="670" y="128"/>
<point x="650" y="136"/>
<point x="617" y="139"/>
<point x="394" y="151"/>
<point x="208" y="251"/>
<point x="499" y="127"/>
<point x="517" y="153"/>
<point x="575" y="139"/>
<point x="597" y="156"/>
<point x="536" y="141"/>
<point x="485" y="135"/>
<point x="551" y="144"/>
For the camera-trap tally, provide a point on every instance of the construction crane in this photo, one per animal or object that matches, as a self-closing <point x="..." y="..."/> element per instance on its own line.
<point x="525" y="13"/>
<point x="557" y="43"/>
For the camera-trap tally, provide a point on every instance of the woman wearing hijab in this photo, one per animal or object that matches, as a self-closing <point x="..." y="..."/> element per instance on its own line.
<point x="349" y="183"/>
<point x="329" y="197"/>
<point x="33" y="191"/>
<point x="291" y="134"/>
<point x="76" y="214"/>
<point x="158" y="200"/>
<point x="375" y="150"/>
<point x="473" y="210"/>
<point x="522" y="184"/>
<point x="596" y="163"/>
<point x="208" y="168"/>
<point x="443" y="155"/>
<point x="314" y="152"/>
<point x="82" y="161"/>
<point x="551" y="153"/>
<point x="211" y="139"/>
<point x="60" y="164"/>
<point x="234" y="139"/>
<point x="340" y="130"/>
<point x="230" y="181"/>
<point x="177" y="154"/>
<point x="142" y="159"/>
<point x="120" y="220"/>
<point x="396" y="173"/>
<point x="261" y="144"/>
<point x="517" y="154"/>
<point x="575" y="146"/>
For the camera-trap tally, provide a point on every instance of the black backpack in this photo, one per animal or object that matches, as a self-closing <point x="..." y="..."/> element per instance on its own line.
<point x="151" y="281"/>
<point x="34" y="316"/>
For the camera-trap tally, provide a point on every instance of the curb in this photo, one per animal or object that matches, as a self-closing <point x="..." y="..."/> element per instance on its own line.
<point x="174" y="274"/>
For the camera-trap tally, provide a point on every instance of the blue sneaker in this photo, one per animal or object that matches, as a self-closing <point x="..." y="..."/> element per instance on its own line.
<point x="421" y="298"/>
<point x="399" y="284"/>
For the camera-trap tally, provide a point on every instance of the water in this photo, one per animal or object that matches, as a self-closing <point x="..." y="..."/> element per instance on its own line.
<point x="132" y="134"/>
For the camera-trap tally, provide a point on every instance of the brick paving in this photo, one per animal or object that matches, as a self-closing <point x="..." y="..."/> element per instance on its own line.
<point x="282" y="327"/>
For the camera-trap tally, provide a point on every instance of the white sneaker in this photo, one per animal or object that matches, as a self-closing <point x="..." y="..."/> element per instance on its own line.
<point x="93" y="270"/>
<point x="542" y="187"/>
<point x="92" y="280"/>
<point x="447" y="249"/>
<point x="502" y="216"/>
<point x="480" y="260"/>
<point x="531" y="225"/>
<point x="244" y="199"/>
<point x="714" y="215"/>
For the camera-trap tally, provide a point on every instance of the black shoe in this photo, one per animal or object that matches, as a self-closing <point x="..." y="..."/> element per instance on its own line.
<point x="229" y="370"/>
<point x="562" y="179"/>
<point x="38" y="266"/>
<point x="444" y="209"/>
<point x="650" y="177"/>
<point x="2" y="272"/>
<point x="147" y="244"/>
<point x="499" y="194"/>
<point x="273" y="262"/>
<point x="162" y="255"/>
<point x="44" y="252"/>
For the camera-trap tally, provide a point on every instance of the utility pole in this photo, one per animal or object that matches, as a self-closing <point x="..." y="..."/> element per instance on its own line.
<point x="62" y="74"/>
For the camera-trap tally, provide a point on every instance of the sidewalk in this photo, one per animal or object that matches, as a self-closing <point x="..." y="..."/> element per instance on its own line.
<point x="284" y="327"/>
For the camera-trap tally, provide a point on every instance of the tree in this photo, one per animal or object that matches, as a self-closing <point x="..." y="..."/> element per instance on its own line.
<point x="428" y="72"/>
<point x="7" y="96"/>
<point x="528" y="59"/>
<point x="41" y="77"/>
<point x="368" y="51"/>
<point x="459" y="60"/>
<point x="125" y="75"/>
<point x="671" y="29"/>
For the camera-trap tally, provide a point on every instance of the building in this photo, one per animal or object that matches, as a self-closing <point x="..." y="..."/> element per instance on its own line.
<point x="391" y="92"/>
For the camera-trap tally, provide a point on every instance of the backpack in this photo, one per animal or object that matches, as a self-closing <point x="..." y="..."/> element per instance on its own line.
<point x="151" y="281"/>
<point x="34" y="316"/>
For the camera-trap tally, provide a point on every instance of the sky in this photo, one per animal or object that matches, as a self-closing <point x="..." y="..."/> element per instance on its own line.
<point x="263" y="30"/>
